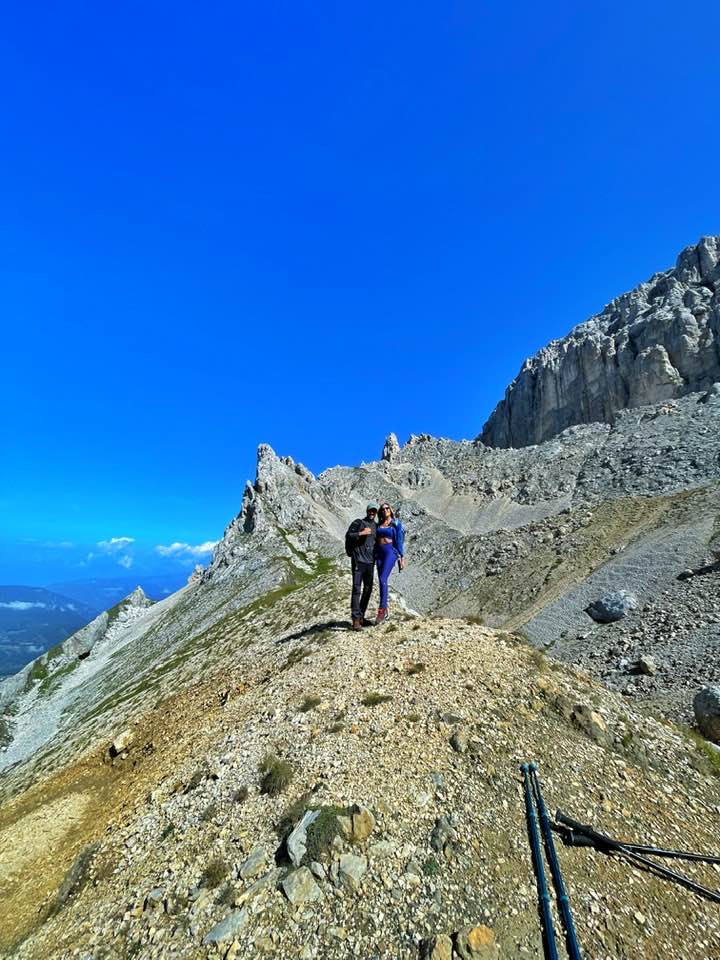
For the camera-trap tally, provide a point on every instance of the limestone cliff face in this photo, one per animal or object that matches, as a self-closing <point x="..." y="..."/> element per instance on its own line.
<point x="659" y="341"/>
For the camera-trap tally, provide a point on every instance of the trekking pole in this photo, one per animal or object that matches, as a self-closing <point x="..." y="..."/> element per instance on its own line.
<point x="607" y="844"/>
<point x="543" y="895"/>
<point x="571" y="941"/>
<point x="574" y="839"/>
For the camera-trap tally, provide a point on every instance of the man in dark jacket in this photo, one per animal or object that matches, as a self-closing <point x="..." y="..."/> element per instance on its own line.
<point x="360" y="543"/>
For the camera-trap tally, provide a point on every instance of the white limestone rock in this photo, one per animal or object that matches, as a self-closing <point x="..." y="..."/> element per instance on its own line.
<point x="660" y="340"/>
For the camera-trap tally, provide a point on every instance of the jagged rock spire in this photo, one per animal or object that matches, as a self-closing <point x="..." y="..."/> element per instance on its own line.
<point x="391" y="448"/>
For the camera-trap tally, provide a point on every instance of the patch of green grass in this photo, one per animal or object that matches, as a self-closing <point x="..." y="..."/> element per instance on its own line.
<point x="412" y="717"/>
<point x="415" y="668"/>
<point x="276" y="775"/>
<point x="167" y="831"/>
<point x="55" y="652"/>
<point x="52" y="682"/>
<point x="431" y="868"/>
<point x="321" y="832"/>
<point x="38" y="671"/>
<point x="707" y="751"/>
<point x="373" y="699"/>
<point x="214" y="873"/>
<point x="114" y="612"/>
<point x="309" y="703"/>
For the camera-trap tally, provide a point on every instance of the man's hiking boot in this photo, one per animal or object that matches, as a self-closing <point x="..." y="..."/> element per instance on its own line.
<point x="382" y="615"/>
<point x="356" y="625"/>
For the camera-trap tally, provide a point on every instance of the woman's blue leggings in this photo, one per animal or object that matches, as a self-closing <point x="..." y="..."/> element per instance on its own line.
<point x="387" y="557"/>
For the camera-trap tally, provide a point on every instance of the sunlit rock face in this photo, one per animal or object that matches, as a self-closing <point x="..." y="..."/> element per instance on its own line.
<point x="659" y="341"/>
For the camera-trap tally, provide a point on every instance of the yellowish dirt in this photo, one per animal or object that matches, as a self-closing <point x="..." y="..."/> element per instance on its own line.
<point x="44" y="829"/>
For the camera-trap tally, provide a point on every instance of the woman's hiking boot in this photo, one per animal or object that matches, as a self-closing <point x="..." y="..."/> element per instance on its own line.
<point x="356" y="625"/>
<point x="382" y="615"/>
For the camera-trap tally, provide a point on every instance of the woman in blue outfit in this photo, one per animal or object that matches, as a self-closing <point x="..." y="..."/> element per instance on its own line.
<point x="389" y="550"/>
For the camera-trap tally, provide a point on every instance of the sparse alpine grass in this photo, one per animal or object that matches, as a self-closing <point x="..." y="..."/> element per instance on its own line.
<point x="309" y="703"/>
<point x="214" y="873"/>
<point x="706" y="749"/>
<point x="276" y="775"/>
<point x="415" y="668"/>
<point x="373" y="699"/>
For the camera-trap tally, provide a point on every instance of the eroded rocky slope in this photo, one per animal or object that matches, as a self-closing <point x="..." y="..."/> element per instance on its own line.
<point x="174" y="842"/>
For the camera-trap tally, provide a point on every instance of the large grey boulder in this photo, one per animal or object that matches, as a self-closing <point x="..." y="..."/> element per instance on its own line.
<point x="614" y="606"/>
<point x="706" y="706"/>
<point x="660" y="340"/>
<point x="300" y="887"/>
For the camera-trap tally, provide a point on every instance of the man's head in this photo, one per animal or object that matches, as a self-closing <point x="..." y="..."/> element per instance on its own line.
<point x="372" y="510"/>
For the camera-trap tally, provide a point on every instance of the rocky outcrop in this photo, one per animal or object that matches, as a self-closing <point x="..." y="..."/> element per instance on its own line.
<point x="707" y="711"/>
<point x="391" y="448"/>
<point x="659" y="341"/>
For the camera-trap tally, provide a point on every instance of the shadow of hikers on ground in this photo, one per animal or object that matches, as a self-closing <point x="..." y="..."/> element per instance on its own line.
<point x="316" y="628"/>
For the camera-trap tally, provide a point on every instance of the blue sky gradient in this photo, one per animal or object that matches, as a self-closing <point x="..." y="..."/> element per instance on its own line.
<point x="221" y="222"/>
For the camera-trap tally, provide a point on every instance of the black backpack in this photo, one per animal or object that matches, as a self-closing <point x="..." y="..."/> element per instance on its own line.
<point x="350" y="541"/>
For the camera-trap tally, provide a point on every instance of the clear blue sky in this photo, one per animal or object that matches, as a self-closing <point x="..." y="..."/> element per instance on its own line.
<point x="310" y="224"/>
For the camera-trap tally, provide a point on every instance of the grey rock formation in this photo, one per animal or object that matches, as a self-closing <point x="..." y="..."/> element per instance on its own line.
<point x="391" y="448"/>
<point x="228" y="928"/>
<point x="297" y="841"/>
<point x="300" y="887"/>
<point x="352" y="869"/>
<point x="659" y="341"/>
<point x="614" y="606"/>
<point x="706" y="706"/>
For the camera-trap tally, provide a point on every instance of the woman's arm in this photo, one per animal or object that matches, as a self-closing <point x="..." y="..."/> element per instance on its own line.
<point x="400" y="538"/>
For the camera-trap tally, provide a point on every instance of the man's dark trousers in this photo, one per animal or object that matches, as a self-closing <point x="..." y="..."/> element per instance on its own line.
<point x="362" y="574"/>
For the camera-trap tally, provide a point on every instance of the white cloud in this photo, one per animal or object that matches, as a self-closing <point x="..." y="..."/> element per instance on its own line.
<point x="126" y="562"/>
<point x="185" y="549"/>
<point x="20" y="604"/>
<point x="115" y="544"/>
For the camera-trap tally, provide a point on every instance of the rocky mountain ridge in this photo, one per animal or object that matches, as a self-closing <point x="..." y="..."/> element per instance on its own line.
<point x="659" y="341"/>
<point x="32" y="619"/>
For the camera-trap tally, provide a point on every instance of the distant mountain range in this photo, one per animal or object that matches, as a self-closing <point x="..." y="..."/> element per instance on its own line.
<point x="105" y="593"/>
<point x="33" y="619"/>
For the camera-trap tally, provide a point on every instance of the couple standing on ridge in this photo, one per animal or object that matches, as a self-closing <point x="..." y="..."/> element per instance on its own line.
<point x="378" y="538"/>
